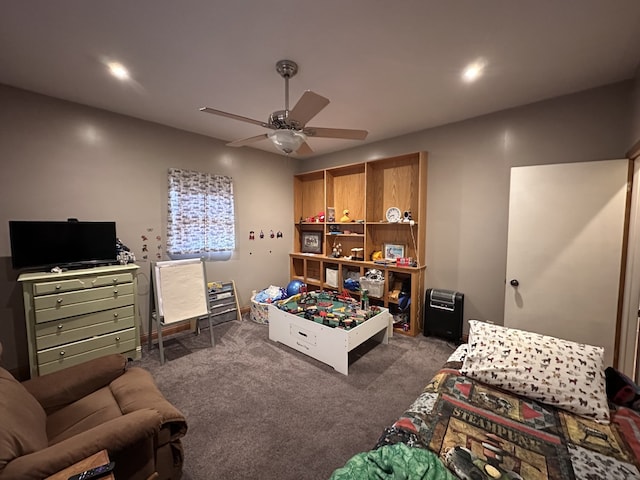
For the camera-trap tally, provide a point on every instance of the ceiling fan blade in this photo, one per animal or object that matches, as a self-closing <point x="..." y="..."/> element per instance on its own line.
<point x="345" y="133"/>
<point x="235" y="117"/>
<point x="304" y="149"/>
<point x="308" y="107"/>
<point x="246" y="141"/>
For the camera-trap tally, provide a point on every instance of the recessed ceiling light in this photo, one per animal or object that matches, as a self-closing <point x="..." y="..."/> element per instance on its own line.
<point x="118" y="70"/>
<point x="473" y="71"/>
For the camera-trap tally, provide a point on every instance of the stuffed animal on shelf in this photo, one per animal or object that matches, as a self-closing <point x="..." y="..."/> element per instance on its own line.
<point x="345" y="216"/>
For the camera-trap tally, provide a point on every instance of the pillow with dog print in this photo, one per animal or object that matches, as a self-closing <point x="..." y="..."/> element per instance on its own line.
<point x="550" y="370"/>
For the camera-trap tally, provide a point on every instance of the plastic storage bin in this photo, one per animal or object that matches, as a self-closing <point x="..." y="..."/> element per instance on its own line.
<point x="331" y="277"/>
<point x="374" y="287"/>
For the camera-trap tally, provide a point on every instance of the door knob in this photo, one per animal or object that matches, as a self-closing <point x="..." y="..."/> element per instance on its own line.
<point x="514" y="283"/>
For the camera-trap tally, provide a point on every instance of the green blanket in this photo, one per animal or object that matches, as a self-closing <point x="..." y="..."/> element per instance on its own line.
<point x="394" y="462"/>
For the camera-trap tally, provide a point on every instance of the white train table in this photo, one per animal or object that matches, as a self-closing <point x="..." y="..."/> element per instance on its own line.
<point x="330" y="345"/>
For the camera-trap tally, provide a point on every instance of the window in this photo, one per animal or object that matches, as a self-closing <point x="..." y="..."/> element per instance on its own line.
<point x="201" y="217"/>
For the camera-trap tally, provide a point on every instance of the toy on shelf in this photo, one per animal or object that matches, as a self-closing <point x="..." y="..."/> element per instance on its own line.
<point x="351" y="284"/>
<point x="345" y="216"/>
<point x="319" y="218"/>
<point x="357" y="253"/>
<point x="336" y="251"/>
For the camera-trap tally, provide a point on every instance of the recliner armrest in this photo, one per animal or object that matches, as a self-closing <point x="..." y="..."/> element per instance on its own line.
<point x="138" y="390"/>
<point x="114" y="436"/>
<point x="63" y="387"/>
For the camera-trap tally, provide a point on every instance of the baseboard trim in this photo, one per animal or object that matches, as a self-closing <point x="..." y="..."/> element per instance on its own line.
<point x="178" y="328"/>
<point x="172" y="330"/>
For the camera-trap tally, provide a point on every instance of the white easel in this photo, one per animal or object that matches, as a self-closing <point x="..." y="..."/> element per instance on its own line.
<point x="180" y="293"/>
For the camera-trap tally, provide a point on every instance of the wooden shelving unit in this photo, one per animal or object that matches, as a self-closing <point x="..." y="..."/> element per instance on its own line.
<point x="366" y="190"/>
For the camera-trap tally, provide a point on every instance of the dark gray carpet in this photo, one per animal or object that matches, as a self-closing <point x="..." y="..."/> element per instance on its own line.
<point x="257" y="409"/>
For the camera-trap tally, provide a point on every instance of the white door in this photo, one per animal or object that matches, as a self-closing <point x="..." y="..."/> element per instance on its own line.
<point x="564" y="253"/>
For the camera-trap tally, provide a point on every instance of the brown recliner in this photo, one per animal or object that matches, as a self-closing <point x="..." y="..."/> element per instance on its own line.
<point x="53" y="421"/>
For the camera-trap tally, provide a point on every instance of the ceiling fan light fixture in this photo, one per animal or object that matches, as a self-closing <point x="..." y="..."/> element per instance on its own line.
<point x="289" y="126"/>
<point x="287" y="141"/>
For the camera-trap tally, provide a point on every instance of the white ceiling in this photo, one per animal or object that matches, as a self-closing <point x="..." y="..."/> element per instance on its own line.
<point x="389" y="67"/>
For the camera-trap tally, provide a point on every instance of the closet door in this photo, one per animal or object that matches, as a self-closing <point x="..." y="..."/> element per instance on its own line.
<point x="565" y="250"/>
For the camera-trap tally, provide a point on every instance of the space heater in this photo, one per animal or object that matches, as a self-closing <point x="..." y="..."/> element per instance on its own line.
<point x="443" y="314"/>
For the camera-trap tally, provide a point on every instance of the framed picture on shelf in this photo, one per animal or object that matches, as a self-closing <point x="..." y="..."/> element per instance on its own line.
<point x="331" y="214"/>
<point x="393" y="251"/>
<point x="311" y="242"/>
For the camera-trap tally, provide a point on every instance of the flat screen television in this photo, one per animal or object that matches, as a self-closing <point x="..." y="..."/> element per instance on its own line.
<point x="70" y="244"/>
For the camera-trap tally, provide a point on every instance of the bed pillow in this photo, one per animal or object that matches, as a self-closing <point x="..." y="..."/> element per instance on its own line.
<point x="459" y="353"/>
<point x="557" y="372"/>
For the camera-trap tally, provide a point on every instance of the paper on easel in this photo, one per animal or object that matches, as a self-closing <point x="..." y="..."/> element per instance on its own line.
<point x="182" y="293"/>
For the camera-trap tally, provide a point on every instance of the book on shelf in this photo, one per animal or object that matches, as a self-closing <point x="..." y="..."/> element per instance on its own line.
<point x="385" y="261"/>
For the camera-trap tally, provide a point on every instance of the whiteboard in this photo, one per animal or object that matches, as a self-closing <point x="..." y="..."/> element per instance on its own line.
<point x="180" y="290"/>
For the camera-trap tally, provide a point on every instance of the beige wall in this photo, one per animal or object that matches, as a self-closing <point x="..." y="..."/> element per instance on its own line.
<point x="468" y="180"/>
<point x="61" y="160"/>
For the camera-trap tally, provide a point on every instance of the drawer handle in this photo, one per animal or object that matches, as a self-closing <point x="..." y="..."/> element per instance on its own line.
<point x="58" y="287"/>
<point x="303" y="334"/>
<point x="60" y="327"/>
<point x="117" y="339"/>
<point x="115" y="314"/>
<point x="115" y="291"/>
<point x="115" y="280"/>
<point x="59" y="300"/>
<point x="62" y="353"/>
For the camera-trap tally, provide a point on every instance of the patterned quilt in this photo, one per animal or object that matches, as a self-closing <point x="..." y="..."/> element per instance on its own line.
<point x="481" y="432"/>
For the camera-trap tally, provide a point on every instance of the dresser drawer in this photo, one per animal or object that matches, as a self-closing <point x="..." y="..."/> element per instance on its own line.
<point x="81" y="283"/>
<point x="52" y="334"/>
<point x="68" y="361"/>
<point x="65" y="311"/>
<point x="52" y="307"/>
<point x="57" y="354"/>
<point x="67" y="298"/>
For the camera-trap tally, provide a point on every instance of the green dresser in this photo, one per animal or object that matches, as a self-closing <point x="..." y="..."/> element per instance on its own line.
<point x="77" y="315"/>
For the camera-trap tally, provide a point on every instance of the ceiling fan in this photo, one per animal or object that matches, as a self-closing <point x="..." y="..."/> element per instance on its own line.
<point x="290" y="130"/>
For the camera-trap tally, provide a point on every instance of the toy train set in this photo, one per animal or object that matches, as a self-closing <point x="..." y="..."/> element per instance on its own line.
<point x="329" y="308"/>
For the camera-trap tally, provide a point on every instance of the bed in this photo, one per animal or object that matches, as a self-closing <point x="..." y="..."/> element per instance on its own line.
<point x="512" y="404"/>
